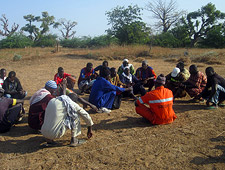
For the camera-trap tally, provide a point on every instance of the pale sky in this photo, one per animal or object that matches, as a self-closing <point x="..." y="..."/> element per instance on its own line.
<point x="89" y="14"/>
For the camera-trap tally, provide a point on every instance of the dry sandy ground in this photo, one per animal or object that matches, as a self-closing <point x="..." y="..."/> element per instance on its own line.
<point x="122" y="139"/>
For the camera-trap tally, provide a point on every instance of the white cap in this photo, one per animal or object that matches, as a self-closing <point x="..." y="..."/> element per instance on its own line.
<point x="175" y="72"/>
<point x="126" y="60"/>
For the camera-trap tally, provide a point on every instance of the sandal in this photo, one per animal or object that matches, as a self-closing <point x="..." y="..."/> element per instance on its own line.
<point x="80" y="142"/>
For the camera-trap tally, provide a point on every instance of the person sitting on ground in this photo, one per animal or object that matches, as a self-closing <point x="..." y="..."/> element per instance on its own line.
<point x="173" y="81"/>
<point x="115" y="79"/>
<point x="216" y="83"/>
<point x="147" y="74"/>
<point x="86" y="78"/>
<point x="12" y="87"/>
<point x="11" y="112"/>
<point x="125" y="64"/>
<point x="58" y="78"/>
<point x="62" y="114"/>
<point x="2" y="76"/>
<point x="196" y="82"/>
<point x="103" y="93"/>
<point x="160" y="101"/>
<point x="101" y="67"/>
<point x="38" y="104"/>
<point x="131" y="81"/>
<point x="71" y="81"/>
<point x="183" y="71"/>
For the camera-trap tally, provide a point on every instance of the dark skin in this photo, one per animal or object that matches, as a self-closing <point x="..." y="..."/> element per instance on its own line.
<point x="3" y="74"/>
<point x="70" y="85"/>
<point x="145" y="66"/>
<point x="61" y="72"/>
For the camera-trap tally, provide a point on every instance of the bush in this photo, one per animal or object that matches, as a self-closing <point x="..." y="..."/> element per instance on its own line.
<point x="17" y="57"/>
<point x="46" y="41"/>
<point x="16" y="40"/>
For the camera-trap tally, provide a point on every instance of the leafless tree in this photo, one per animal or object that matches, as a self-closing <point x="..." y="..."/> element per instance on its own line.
<point x="5" y="24"/>
<point x="67" y="28"/>
<point x="167" y="14"/>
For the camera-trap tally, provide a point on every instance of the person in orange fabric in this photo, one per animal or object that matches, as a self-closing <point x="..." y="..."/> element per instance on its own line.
<point x="160" y="101"/>
<point x="58" y="78"/>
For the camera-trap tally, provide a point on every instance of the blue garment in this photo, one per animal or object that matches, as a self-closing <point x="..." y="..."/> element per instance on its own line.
<point x="103" y="93"/>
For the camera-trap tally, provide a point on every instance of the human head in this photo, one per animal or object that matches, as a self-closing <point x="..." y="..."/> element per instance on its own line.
<point x="144" y="64"/>
<point x="193" y="69"/>
<point x="175" y="72"/>
<point x="105" y="63"/>
<point x="60" y="72"/>
<point x="125" y="62"/>
<point x="2" y="73"/>
<point x="89" y="67"/>
<point x="180" y="65"/>
<point x="127" y="70"/>
<point x="106" y="73"/>
<point x="1" y="92"/>
<point x="51" y="86"/>
<point x="113" y="72"/>
<point x="209" y="71"/>
<point x="71" y="81"/>
<point x="160" y="80"/>
<point x="12" y="75"/>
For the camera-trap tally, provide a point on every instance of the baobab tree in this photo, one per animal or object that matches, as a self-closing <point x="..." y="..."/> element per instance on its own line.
<point x="67" y="28"/>
<point x="165" y="13"/>
<point x="5" y="31"/>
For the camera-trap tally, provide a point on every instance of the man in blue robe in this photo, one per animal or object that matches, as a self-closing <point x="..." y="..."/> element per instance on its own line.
<point x="103" y="93"/>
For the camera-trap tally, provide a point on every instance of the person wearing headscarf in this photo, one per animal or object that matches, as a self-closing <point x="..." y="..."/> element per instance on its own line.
<point x="160" y="102"/>
<point x="126" y="64"/>
<point x="38" y="104"/>
<point x="146" y="74"/>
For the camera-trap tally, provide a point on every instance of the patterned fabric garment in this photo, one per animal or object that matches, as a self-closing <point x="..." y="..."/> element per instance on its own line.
<point x="198" y="80"/>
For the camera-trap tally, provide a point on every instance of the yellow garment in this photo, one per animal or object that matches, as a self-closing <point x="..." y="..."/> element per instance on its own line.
<point x="116" y="81"/>
<point x="14" y="102"/>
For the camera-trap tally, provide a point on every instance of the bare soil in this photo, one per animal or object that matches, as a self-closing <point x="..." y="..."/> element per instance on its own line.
<point x="121" y="139"/>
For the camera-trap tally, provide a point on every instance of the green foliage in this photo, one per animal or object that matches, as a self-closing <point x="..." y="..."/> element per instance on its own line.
<point x="16" y="41"/>
<point x="215" y="37"/>
<point x="127" y="26"/>
<point x="45" y="20"/>
<point x="199" y="23"/>
<point x="166" y="40"/>
<point x="17" y="57"/>
<point x="46" y="41"/>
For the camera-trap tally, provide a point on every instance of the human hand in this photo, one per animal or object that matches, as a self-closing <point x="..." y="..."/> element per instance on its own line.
<point x="89" y="133"/>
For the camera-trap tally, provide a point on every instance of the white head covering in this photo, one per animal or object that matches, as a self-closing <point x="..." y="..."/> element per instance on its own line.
<point x="175" y="72"/>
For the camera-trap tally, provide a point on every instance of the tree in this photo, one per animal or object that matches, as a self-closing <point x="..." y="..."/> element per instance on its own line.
<point x="5" y="24"/>
<point x="67" y="28"/>
<point x="166" y="14"/>
<point x="36" y="32"/>
<point x="126" y="25"/>
<point x="199" y="23"/>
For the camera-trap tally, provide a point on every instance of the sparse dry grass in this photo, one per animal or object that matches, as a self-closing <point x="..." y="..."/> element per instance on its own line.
<point x="135" y="52"/>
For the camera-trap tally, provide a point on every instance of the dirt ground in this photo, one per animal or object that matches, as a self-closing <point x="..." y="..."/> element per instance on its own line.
<point x="121" y="139"/>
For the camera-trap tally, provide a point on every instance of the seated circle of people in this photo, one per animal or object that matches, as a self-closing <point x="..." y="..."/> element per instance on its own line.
<point x="86" y="78"/>
<point x="101" y="67"/>
<point x="173" y="81"/>
<point x="2" y="76"/>
<point x="115" y="79"/>
<point x="11" y="112"/>
<point x="214" y="91"/>
<point x="104" y="94"/>
<point x="62" y="114"/>
<point x="160" y="102"/>
<point x="195" y="84"/>
<point x="125" y="64"/>
<point x="71" y="80"/>
<point x="146" y="74"/>
<point x="13" y="87"/>
<point x="38" y="104"/>
<point x="131" y="81"/>
<point x="183" y="71"/>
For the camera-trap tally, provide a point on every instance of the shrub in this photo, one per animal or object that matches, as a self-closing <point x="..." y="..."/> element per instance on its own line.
<point x="17" y="57"/>
<point x="46" y="41"/>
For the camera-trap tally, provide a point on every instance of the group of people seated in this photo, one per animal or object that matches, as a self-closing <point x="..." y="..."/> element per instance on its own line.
<point x="54" y="108"/>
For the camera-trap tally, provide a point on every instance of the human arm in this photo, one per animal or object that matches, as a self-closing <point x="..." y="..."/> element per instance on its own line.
<point x="86" y="103"/>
